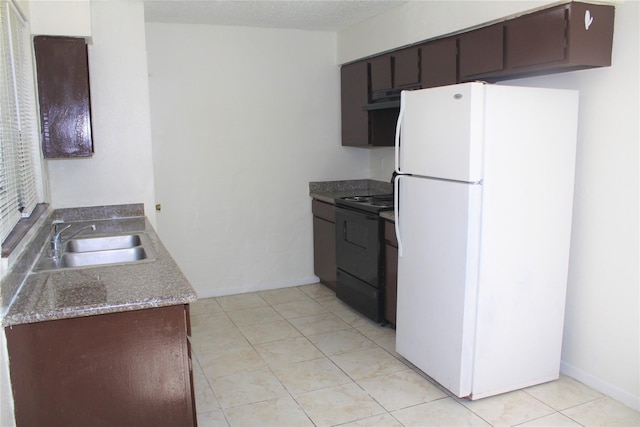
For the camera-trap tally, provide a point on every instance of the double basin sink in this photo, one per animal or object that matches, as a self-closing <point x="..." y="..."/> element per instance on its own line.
<point x="95" y="251"/>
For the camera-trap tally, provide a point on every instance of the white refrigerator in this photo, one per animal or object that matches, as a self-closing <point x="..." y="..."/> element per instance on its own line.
<point x="484" y="201"/>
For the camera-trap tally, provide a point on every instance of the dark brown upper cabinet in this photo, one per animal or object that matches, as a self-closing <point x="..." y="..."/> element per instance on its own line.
<point x="380" y="72"/>
<point x="406" y="67"/>
<point x="566" y="37"/>
<point x="481" y="52"/>
<point x="571" y="36"/>
<point x="63" y="92"/>
<point x="439" y="62"/>
<point x="354" y="94"/>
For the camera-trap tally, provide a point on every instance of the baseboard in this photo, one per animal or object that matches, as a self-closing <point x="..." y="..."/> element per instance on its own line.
<point x="598" y="384"/>
<point x="220" y="292"/>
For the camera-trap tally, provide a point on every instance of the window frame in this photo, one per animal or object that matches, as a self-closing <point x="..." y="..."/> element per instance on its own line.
<point x="21" y="183"/>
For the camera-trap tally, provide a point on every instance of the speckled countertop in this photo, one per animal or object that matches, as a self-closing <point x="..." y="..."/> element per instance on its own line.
<point x="328" y="191"/>
<point x="87" y="291"/>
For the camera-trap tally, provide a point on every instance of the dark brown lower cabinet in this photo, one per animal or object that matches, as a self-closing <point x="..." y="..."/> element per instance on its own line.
<point x="391" y="272"/>
<point x="120" y="369"/>
<point x="324" y="243"/>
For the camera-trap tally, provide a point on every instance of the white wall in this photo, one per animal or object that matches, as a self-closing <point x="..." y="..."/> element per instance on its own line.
<point x="242" y="120"/>
<point x="121" y="169"/>
<point x="61" y="18"/>
<point x="602" y="328"/>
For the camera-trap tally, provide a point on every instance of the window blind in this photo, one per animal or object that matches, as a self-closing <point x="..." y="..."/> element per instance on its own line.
<point x="20" y="177"/>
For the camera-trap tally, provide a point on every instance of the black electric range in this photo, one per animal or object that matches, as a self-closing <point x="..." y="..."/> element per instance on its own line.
<point x="360" y="252"/>
<point x="373" y="203"/>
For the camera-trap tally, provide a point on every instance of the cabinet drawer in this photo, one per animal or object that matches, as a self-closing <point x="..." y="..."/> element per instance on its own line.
<point x="390" y="233"/>
<point x="323" y="210"/>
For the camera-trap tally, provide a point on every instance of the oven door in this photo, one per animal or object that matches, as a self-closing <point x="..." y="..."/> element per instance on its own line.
<point x="358" y="248"/>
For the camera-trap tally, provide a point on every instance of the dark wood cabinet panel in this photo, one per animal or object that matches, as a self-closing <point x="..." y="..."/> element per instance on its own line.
<point x="406" y="66"/>
<point x="589" y="45"/>
<point x="63" y="92"/>
<point x="535" y="39"/>
<point x="571" y="36"/>
<point x="324" y="243"/>
<point x="481" y="52"/>
<point x="354" y="94"/>
<point x="129" y="368"/>
<point x="439" y="62"/>
<point x="391" y="273"/>
<point x="380" y="72"/>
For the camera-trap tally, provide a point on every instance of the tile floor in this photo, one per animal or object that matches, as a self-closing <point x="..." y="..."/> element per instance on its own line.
<point x="300" y="357"/>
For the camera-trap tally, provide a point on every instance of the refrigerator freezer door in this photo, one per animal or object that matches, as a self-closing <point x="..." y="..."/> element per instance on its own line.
<point x="441" y="132"/>
<point x="437" y="278"/>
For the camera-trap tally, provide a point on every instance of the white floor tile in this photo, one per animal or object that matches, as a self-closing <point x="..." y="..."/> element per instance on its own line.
<point x="241" y="301"/>
<point x="299" y="356"/>
<point x="508" y="409"/>
<point x="279" y="296"/>
<point x="281" y="412"/>
<point x="300" y="308"/>
<point x="368" y="363"/>
<point x="319" y="324"/>
<point x="253" y="316"/>
<point x="338" y="405"/>
<point x="269" y="332"/>
<point x="401" y="390"/>
<point x="247" y="387"/>
<point x="310" y="375"/>
<point x="443" y="412"/>
<point x="340" y="342"/>
<point x="212" y="419"/>
<point x="604" y="412"/>
<point x="288" y="351"/>
<point x="563" y="393"/>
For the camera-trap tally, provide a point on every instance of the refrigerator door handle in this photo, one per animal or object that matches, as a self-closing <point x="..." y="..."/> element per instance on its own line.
<point x="396" y="211"/>
<point x="398" y="127"/>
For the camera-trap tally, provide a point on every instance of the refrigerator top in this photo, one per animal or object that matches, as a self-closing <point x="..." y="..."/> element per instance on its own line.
<point x="441" y="132"/>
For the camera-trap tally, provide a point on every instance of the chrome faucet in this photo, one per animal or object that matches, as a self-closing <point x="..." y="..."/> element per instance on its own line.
<point x="56" y="238"/>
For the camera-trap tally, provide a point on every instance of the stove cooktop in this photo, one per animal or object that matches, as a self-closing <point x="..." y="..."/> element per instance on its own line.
<point x="370" y="203"/>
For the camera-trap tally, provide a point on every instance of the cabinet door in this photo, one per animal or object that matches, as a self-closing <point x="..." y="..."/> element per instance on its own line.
<point x="324" y="243"/>
<point x="536" y="39"/>
<point x="128" y="368"/>
<point x="390" y="273"/>
<point x="354" y="94"/>
<point x="481" y="51"/>
<point x="380" y="72"/>
<point x="63" y="92"/>
<point x="406" y="67"/>
<point x="439" y="62"/>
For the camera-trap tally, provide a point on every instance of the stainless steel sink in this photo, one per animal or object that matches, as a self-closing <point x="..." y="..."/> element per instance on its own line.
<point x="101" y="257"/>
<point x="103" y="243"/>
<point x="96" y="251"/>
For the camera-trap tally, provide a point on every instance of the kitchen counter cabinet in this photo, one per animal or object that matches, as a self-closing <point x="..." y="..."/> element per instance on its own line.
<point x="128" y="369"/>
<point x="324" y="243"/>
<point x="391" y="272"/>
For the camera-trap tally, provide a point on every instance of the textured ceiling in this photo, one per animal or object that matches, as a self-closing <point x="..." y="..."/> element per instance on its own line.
<point x="326" y="15"/>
